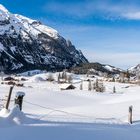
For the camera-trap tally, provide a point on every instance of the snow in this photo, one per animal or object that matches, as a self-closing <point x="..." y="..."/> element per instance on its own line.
<point x="22" y="25"/>
<point x="13" y="49"/>
<point x="4" y="112"/>
<point x="48" y="30"/>
<point x="24" y="19"/>
<point x="12" y="118"/>
<point x="75" y="114"/>
<point x="64" y="86"/>
<point x="112" y="68"/>
<point x="135" y="69"/>
<point x="108" y="68"/>
<point x="33" y="27"/>
<point x="20" y="93"/>
<point x="2" y="8"/>
<point x="132" y="68"/>
<point x="37" y="78"/>
<point x="49" y="113"/>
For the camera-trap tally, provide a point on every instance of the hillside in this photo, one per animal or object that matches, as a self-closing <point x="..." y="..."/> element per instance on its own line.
<point x="96" y="68"/>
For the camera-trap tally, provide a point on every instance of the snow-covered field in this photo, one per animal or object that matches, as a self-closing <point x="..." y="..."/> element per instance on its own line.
<point x="52" y="114"/>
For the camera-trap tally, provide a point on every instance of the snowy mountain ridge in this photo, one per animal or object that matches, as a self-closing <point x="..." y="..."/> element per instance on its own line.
<point x="97" y="69"/>
<point x="25" y="24"/>
<point x="135" y="69"/>
<point x="112" y="68"/>
<point x="27" y="44"/>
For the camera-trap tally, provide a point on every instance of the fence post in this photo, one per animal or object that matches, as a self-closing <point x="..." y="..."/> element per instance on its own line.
<point x="9" y="97"/>
<point x="114" y="89"/>
<point x="19" y="99"/>
<point x="130" y="114"/>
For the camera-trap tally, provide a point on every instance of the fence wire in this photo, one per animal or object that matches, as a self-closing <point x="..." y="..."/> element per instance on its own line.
<point x="70" y="114"/>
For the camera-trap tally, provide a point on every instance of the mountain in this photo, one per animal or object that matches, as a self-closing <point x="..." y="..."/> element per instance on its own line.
<point x="134" y="69"/>
<point x="26" y="44"/>
<point x="96" y="68"/>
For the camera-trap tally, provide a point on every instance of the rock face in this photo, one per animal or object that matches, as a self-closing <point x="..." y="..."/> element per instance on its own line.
<point x="26" y="44"/>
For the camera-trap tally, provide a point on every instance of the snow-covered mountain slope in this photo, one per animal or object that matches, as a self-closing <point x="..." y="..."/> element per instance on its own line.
<point x="96" y="68"/>
<point x="113" y="69"/>
<point x="27" y="44"/>
<point x="134" y="69"/>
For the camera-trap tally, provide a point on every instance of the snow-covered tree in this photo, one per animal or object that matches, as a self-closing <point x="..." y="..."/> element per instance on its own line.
<point x="97" y="83"/>
<point x="122" y="75"/>
<point x="59" y="76"/>
<point x="98" y="86"/>
<point x="113" y="79"/>
<point x="64" y="76"/>
<point x="69" y="79"/>
<point x="114" y="89"/>
<point x="50" y="77"/>
<point x="89" y="85"/>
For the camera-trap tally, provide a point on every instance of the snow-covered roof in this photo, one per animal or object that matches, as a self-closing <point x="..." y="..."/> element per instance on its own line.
<point x="66" y="86"/>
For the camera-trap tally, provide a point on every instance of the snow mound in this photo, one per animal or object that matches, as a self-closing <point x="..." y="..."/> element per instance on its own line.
<point x="36" y="79"/>
<point x="16" y="115"/>
<point x="4" y="112"/>
<point x="11" y="118"/>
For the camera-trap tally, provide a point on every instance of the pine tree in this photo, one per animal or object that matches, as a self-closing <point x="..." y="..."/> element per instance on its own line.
<point x="101" y="88"/>
<point x="97" y="84"/>
<point x="50" y="77"/>
<point x="113" y="79"/>
<point x="63" y="75"/>
<point x="128" y="75"/>
<point x="69" y="79"/>
<point x="114" y="89"/>
<point x="94" y="86"/>
<point x="59" y="76"/>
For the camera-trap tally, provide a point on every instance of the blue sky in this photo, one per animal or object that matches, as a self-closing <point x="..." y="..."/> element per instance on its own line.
<point x="107" y="31"/>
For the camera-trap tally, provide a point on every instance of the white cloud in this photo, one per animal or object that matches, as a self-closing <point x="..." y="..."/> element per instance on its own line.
<point x="122" y="60"/>
<point x="105" y="9"/>
<point x="132" y="16"/>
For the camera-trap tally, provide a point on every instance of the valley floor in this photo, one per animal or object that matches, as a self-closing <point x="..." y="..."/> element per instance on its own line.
<point x="49" y="113"/>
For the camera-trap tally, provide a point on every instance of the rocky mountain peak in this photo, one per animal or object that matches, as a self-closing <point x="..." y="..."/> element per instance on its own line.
<point x="27" y="44"/>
